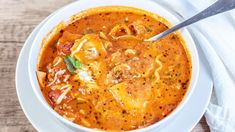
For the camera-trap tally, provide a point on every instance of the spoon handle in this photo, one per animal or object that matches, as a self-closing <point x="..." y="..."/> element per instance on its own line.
<point x="216" y="8"/>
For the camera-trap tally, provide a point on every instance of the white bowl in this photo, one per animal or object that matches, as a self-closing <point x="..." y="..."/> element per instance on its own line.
<point x="74" y="8"/>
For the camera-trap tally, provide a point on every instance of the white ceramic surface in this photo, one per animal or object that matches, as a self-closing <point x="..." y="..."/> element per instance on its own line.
<point x="66" y="12"/>
<point x="186" y="119"/>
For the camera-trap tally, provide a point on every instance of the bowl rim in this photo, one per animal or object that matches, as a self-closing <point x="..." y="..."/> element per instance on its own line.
<point x="42" y="33"/>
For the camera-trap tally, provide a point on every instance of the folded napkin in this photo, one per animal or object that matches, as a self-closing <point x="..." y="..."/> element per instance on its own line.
<point x="216" y="38"/>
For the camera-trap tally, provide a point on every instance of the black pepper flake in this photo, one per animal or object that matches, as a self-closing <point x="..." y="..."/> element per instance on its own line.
<point x="78" y="103"/>
<point x="184" y="85"/>
<point x="173" y="37"/>
<point x="124" y="112"/>
<point x="107" y="13"/>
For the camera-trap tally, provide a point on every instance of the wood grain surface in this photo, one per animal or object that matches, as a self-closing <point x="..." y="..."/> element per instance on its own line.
<point x="17" y="19"/>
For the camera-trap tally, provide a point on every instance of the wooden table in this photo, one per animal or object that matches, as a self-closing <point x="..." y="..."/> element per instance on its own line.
<point x="17" y="19"/>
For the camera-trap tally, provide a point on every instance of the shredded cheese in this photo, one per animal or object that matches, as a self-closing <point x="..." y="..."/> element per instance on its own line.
<point x="91" y="53"/>
<point x="130" y="52"/>
<point x="66" y="78"/>
<point x="83" y="75"/>
<point x="81" y="99"/>
<point x="79" y="47"/>
<point x="58" y="61"/>
<point x="102" y="35"/>
<point x="56" y="76"/>
<point x="65" y="86"/>
<point x="61" y="97"/>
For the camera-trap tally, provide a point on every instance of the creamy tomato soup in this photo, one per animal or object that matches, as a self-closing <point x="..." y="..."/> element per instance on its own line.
<point x="97" y="71"/>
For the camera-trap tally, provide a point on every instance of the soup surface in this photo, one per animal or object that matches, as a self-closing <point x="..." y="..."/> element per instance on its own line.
<point x="98" y="72"/>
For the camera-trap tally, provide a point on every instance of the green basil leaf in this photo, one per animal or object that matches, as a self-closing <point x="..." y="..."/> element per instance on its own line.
<point x="69" y="64"/>
<point x="77" y="64"/>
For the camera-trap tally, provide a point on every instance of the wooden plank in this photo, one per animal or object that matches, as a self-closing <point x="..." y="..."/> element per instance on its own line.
<point x="18" y="19"/>
<point x="201" y="126"/>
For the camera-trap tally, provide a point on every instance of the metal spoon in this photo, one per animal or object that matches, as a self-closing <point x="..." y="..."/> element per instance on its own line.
<point x="219" y="6"/>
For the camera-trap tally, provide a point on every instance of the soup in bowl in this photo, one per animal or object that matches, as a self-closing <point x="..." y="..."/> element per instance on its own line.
<point x="98" y="71"/>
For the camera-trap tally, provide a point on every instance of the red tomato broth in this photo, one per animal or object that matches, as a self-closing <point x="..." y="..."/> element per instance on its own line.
<point x="124" y="83"/>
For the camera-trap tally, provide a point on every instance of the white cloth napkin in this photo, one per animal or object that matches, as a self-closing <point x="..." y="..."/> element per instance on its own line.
<point x="216" y="37"/>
